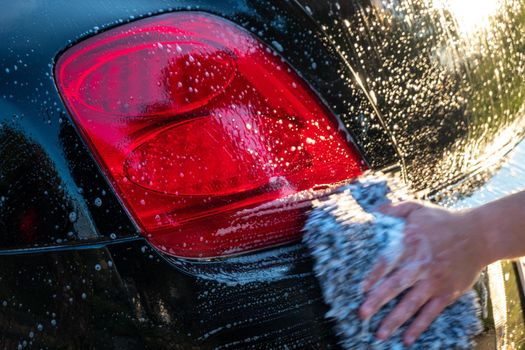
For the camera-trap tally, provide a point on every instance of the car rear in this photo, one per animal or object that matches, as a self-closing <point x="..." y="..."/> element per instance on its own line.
<point x="167" y="157"/>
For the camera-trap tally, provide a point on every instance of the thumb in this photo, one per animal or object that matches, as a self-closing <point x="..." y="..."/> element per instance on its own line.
<point x="403" y="209"/>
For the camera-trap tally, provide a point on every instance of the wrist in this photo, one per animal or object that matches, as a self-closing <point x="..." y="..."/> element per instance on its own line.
<point x="486" y="232"/>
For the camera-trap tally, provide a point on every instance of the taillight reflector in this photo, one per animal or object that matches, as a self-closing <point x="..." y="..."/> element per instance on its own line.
<point x="198" y="124"/>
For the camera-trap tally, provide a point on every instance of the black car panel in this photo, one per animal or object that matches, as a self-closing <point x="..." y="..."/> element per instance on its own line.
<point x="446" y="77"/>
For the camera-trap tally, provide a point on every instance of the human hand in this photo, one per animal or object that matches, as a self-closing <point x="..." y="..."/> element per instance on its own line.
<point x="444" y="252"/>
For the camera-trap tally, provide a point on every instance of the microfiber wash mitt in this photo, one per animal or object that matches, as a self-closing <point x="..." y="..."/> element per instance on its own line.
<point x="345" y="235"/>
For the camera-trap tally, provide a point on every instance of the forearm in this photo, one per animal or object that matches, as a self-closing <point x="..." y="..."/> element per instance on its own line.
<point x="501" y="225"/>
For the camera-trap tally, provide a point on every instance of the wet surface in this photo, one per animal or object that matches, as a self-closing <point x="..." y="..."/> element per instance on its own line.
<point x="438" y="88"/>
<point x="445" y="76"/>
<point x="130" y="297"/>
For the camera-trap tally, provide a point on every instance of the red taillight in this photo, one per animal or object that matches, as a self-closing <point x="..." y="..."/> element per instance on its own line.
<point x="203" y="130"/>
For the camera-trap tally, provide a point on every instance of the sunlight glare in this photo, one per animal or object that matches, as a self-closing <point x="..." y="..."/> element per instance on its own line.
<point x="471" y="15"/>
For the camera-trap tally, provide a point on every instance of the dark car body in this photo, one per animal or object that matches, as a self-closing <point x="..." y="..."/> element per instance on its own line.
<point x="421" y="90"/>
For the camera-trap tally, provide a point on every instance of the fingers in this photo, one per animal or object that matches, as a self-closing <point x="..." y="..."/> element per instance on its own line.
<point x="402" y="209"/>
<point x="404" y="310"/>
<point x="427" y="315"/>
<point x="388" y="290"/>
<point x="378" y="272"/>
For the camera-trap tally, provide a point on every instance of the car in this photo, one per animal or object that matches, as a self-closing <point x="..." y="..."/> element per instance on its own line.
<point x="158" y="158"/>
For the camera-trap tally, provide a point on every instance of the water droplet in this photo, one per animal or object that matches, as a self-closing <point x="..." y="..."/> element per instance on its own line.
<point x="309" y="10"/>
<point x="278" y="46"/>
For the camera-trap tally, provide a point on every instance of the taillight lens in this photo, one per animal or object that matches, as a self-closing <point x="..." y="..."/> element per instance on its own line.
<point x="203" y="130"/>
